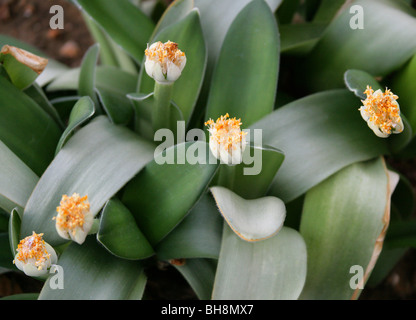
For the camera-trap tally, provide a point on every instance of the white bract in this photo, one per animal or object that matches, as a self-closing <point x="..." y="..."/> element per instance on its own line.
<point x="34" y="256"/>
<point x="382" y="112"/>
<point x="74" y="219"/>
<point x="164" y="61"/>
<point x="227" y="142"/>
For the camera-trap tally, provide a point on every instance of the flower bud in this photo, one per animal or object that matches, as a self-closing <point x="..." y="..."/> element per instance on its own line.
<point x="34" y="256"/>
<point x="382" y="112"/>
<point x="164" y="61"/>
<point x="227" y="142"/>
<point x="74" y="219"/>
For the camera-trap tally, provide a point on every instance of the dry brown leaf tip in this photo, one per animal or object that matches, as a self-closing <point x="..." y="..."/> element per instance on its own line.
<point x="34" y="62"/>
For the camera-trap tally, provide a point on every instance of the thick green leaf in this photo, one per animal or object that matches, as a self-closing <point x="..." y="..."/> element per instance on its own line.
<point x="20" y="75"/>
<point x="386" y="42"/>
<point x="14" y="230"/>
<point x="86" y="83"/>
<point x="197" y="236"/>
<point x="53" y="68"/>
<point x="244" y="81"/>
<point x="176" y="11"/>
<point x="251" y="220"/>
<point x="39" y="96"/>
<point x="17" y="180"/>
<point x="358" y="80"/>
<point x="25" y="128"/>
<point x="271" y="269"/>
<point x="111" y="84"/>
<point x="129" y="27"/>
<point x="92" y="273"/>
<point x="119" y="233"/>
<point x="216" y="18"/>
<point x="328" y="10"/>
<point x="319" y="135"/>
<point x="200" y="274"/>
<point x="97" y="161"/>
<point x="348" y="227"/>
<point x="82" y="111"/>
<point x="162" y="194"/>
<point x="259" y="166"/>
<point x="403" y="85"/>
<point x="299" y="39"/>
<point x="187" y="33"/>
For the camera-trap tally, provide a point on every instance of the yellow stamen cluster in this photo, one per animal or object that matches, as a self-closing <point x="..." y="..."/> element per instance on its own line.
<point x="33" y="247"/>
<point x="382" y="109"/>
<point x="71" y="212"/>
<point x="163" y="52"/>
<point x="226" y="131"/>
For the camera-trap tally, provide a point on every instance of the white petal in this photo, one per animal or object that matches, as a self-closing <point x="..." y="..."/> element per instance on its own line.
<point x="173" y="72"/>
<point x="79" y="235"/>
<point x="214" y="147"/>
<point x="158" y="73"/>
<point x="399" y="127"/>
<point x="63" y="233"/>
<point x="376" y="130"/>
<point x="53" y="258"/>
<point x="31" y="270"/>
<point x="19" y="264"/>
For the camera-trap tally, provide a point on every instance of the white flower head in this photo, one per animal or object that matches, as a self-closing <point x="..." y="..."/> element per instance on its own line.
<point x="164" y="61"/>
<point x="74" y="219"/>
<point x="382" y="112"/>
<point x="34" y="256"/>
<point x="227" y="142"/>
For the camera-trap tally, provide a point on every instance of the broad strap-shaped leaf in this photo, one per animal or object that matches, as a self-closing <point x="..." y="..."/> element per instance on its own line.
<point x="300" y="39"/>
<point x="358" y="80"/>
<point x="252" y="220"/>
<point x="53" y="68"/>
<point x="126" y="24"/>
<point x="17" y="180"/>
<point x="197" y="236"/>
<point x="162" y="194"/>
<point x="82" y="111"/>
<point x="187" y="33"/>
<point x="119" y="234"/>
<point x="27" y="130"/>
<point x="86" y="82"/>
<point x="14" y="230"/>
<point x="403" y="85"/>
<point x="89" y="272"/>
<point x="97" y="161"/>
<point x="385" y="43"/>
<point x="252" y="178"/>
<point x="244" y="81"/>
<point x="266" y="270"/>
<point x="348" y="227"/>
<point x="319" y="135"/>
<point x="23" y="67"/>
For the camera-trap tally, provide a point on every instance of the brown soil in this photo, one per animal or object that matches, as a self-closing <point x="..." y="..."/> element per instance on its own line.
<point x="28" y="20"/>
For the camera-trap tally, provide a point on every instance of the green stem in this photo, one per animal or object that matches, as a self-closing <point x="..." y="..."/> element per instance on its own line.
<point x="161" y="108"/>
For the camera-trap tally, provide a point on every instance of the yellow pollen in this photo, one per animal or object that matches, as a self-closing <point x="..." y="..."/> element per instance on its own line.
<point x="382" y="109"/>
<point x="164" y="52"/>
<point x="226" y="131"/>
<point x="71" y="212"/>
<point x="32" y="247"/>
